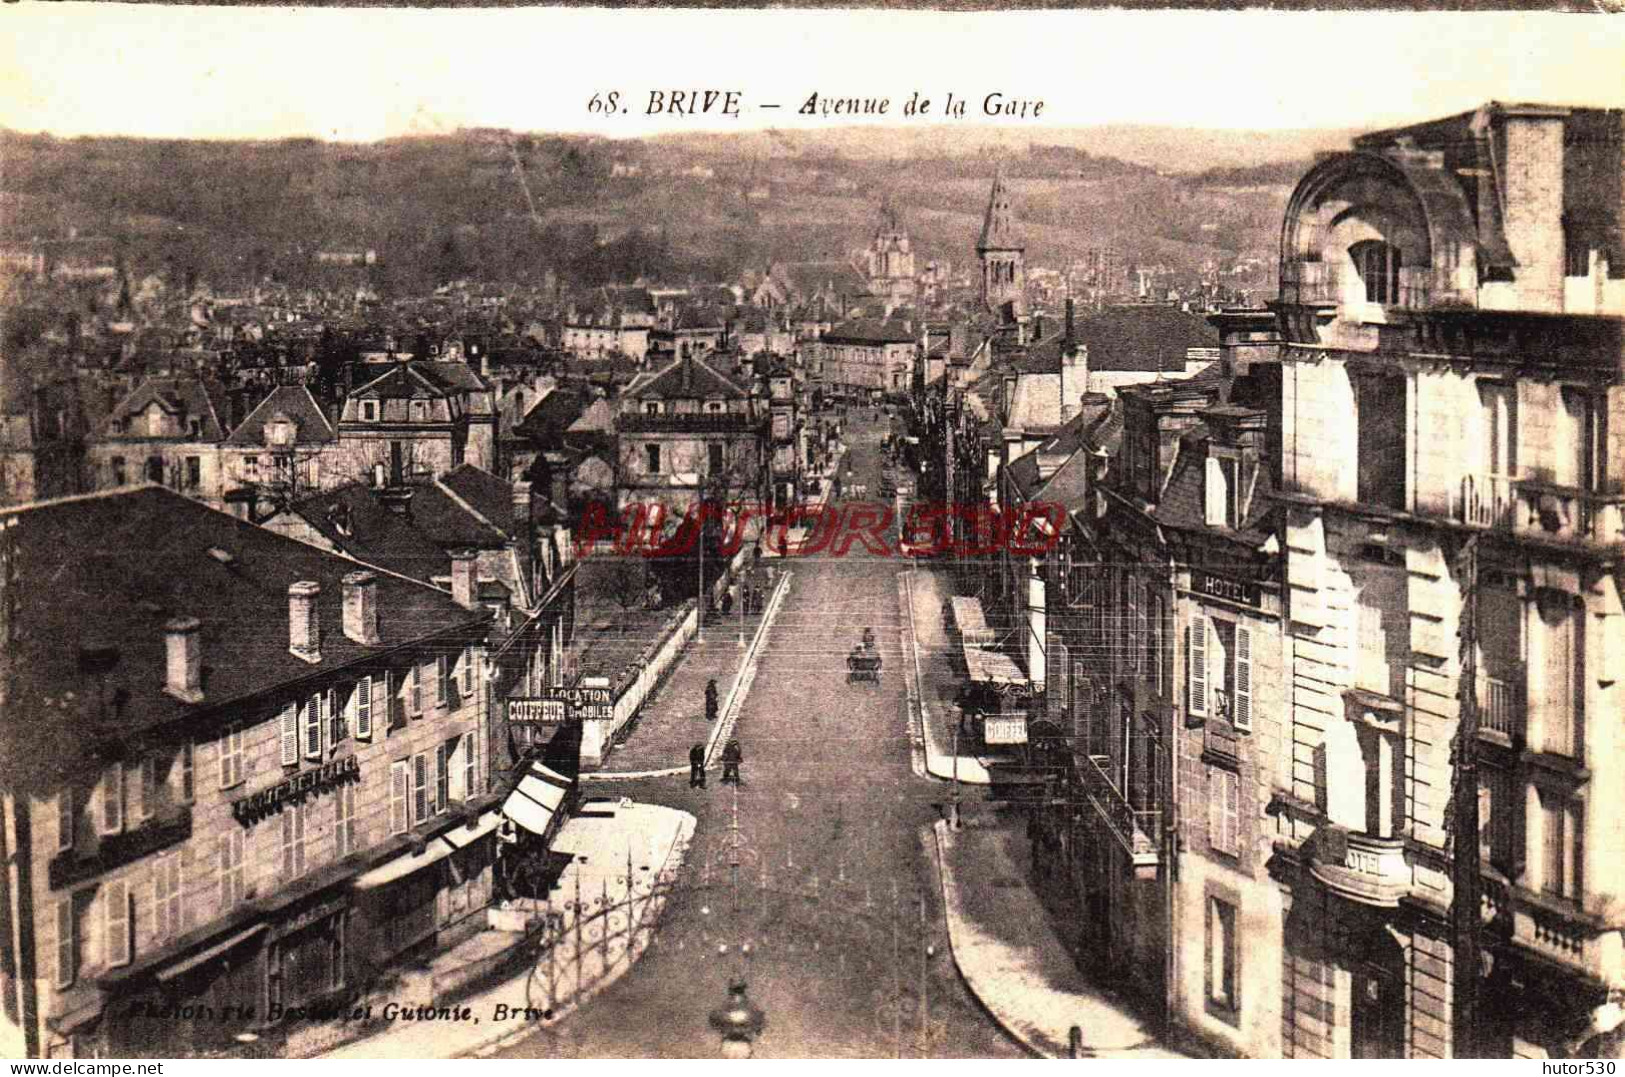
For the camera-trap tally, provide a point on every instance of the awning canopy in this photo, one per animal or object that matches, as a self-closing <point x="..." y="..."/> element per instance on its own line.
<point x="536" y="799"/>
<point x="463" y="836"/>
<point x="970" y="621"/>
<point x="992" y="667"/>
<point x="180" y="968"/>
<point x="403" y="865"/>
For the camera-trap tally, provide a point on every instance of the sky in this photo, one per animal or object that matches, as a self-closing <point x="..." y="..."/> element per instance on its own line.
<point x="360" y="74"/>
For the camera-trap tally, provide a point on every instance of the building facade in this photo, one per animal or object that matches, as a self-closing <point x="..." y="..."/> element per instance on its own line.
<point x="417" y="419"/>
<point x="1453" y="306"/>
<point x="281" y="787"/>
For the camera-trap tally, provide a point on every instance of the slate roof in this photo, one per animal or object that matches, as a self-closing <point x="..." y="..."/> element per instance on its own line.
<point x="870" y="331"/>
<point x="185" y="395"/>
<point x="687" y="378"/>
<point x="1182" y="503"/>
<point x="485" y="493"/>
<point x="110" y="569"/>
<point x="372" y="532"/>
<point x="548" y="419"/>
<point x="1143" y="338"/>
<point x="293" y="402"/>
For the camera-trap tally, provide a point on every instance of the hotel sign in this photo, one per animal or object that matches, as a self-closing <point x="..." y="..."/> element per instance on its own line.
<point x="557" y="705"/>
<point x="1246" y="592"/>
<point x="256" y="806"/>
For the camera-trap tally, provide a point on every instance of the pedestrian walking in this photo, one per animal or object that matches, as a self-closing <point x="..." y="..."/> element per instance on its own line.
<point x="711" y="700"/>
<point x="732" y="756"/>
<point x="696" y="766"/>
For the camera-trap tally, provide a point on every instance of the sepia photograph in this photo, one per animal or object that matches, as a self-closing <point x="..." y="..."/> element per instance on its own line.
<point x="547" y="534"/>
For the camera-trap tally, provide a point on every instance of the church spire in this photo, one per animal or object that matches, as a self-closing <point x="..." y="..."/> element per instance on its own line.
<point x="999" y="231"/>
<point x="1003" y="253"/>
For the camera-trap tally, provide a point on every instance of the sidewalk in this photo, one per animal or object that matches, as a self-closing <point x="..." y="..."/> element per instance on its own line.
<point x="653" y="840"/>
<point x="939" y="682"/>
<point x="1011" y="958"/>
<point x="672" y="720"/>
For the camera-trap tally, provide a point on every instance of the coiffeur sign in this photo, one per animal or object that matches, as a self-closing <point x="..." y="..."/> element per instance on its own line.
<point x="256" y="806"/>
<point x="557" y="704"/>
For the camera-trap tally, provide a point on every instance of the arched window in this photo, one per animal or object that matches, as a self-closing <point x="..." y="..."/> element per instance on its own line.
<point x="1378" y="265"/>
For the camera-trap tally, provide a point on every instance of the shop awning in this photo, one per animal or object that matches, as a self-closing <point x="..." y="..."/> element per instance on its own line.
<point x="536" y="799"/>
<point x="403" y="865"/>
<point x="992" y="667"/>
<point x="970" y="621"/>
<point x="180" y="968"/>
<point x="462" y="836"/>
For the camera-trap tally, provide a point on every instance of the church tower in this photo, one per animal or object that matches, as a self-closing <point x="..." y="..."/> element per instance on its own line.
<point x="1003" y="255"/>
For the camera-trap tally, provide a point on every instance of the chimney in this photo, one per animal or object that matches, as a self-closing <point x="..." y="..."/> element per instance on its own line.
<point x="304" y="631"/>
<point x="1533" y="137"/>
<point x="361" y="607"/>
<point x="464" y="581"/>
<point x="183" y="652"/>
<point x="1070" y="341"/>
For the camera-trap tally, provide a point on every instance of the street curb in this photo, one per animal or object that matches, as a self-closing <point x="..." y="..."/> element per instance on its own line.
<point x="933" y="851"/>
<point x="934" y="765"/>
<point x="725" y="714"/>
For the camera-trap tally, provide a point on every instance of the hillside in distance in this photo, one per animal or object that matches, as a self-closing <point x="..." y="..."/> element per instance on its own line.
<point x="442" y="207"/>
<point x="1161" y="149"/>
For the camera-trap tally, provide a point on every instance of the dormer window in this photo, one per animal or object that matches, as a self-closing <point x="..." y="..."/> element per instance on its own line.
<point x="194" y="427"/>
<point x="651" y="407"/>
<point x="714" y="407"/>
<point x="420" y="410"/>
<point x="1378" y="264"/>
<point x="369" y="411"/>
<point x="279" y="433"/>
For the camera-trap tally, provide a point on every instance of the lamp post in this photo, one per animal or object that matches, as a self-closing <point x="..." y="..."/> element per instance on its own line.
<point x="738" y="1020"/>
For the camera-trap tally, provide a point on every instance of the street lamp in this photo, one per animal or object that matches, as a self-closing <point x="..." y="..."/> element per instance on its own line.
<point x="739" y="1020"/>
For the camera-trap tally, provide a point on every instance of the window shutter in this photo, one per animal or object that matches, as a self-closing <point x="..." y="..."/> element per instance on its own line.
<point x="67" y="818"/>
<point x="313" y="727"/>
<point x="1215" y="808"/>
<point x="135" y="787"/>
<point x="298" y="840"/>
<point x="67" y="943"/>
<point x="1214" y="493"/>
<point x="397" y="798"/>
<point x="1196" y="658"/>
<point x="116" y="911"/>
<point x="1232" y="812"/>
<point x="1242" y="711"/>
<point x="335" y="719"/>
<point x="470" y="765"/>
<point x="290" y="735"/>
<point x="442" y="679"/>
<point x="363" y="709"/>
<point x="468" y="670"/>
<point x="420" y="787"/>
<point x="184" y="779"/>
<point x="149" y="788"/>
<point x="222" y="852"/>
<point x="415" y="687"/>
<point x="442" y="777"/>
<point x="113" y="799"/>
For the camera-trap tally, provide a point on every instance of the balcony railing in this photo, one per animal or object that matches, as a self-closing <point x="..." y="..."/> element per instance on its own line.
<point x="1500" y="704"/>
<point x="1135" y="830"/>
<point x="1485" y="501"/>
<point x="1567" y="513"/>
<point x="1320" y="284"/>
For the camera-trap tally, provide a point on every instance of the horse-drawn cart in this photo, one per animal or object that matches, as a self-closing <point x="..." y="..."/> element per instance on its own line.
<point x="863" y="664"/>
